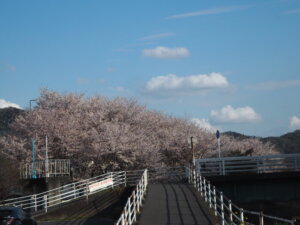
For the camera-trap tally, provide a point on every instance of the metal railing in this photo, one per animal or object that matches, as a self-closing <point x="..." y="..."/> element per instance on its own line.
<point x="67" y="193"/>
<point x="228" y="212"/>
<point x="248" y="164"/>
<point x="134" y="202"/>
<point x="173" y="174"/>
<point x="40" y="169"/>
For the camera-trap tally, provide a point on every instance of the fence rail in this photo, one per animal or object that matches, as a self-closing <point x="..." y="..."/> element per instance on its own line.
<point x="134" y="202"/>
<point x="248" y="164"/>
<point x="228" y="212"/>
<point x="40" y="169"/>
<point x="69" y="192"/>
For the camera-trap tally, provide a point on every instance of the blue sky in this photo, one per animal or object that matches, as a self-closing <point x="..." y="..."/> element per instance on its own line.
<point x="230" y="65"/>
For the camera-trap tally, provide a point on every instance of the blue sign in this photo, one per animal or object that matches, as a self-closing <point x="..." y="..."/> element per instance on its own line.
<point x="218" y="134"/>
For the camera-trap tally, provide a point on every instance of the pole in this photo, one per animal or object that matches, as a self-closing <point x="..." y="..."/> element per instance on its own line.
<point x="47" y="162"/>
<point x="219" y="147"/>
<point x="33" y="159"/>
<point x="193" y="151"/>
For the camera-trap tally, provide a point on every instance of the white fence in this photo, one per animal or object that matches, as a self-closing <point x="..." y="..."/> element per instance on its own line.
<point x="229" y="213"/>
<point x="40" y="169"/>
<point x="248" y="164"/>
<point x="134" y="202"/>
<point x="69" y="192"/>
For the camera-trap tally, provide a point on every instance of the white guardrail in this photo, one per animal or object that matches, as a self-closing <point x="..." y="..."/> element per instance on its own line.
<point x="134" y="202"/>
<point x="67" y="193"/>
<point x="229" y="213"/>
<point x="248" y="164"/>
<point x="50" y="168"/>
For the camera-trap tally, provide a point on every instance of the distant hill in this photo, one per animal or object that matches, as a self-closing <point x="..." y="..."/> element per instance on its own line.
<point x="7" y="116"/>
<point x="287" y="143"/>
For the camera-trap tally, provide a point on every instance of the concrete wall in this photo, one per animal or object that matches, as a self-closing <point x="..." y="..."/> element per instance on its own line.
<point x="256" y="187"/>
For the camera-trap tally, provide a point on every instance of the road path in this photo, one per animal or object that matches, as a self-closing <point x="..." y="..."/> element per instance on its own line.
<point x="173" y="204"/>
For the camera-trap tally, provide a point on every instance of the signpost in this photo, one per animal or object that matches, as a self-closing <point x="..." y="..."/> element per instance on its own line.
<point x="219" y="144"/>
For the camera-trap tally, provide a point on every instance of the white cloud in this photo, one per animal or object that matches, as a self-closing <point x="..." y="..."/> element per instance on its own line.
<point x="111" y="69"/>
<point x="213" y="11"/>
<point x="274" y="85"/>
<point x="86" y="81"/>
<point x="294" y="11"/>
<point x="228" y="114"/>
<point x="204" y="124"/>
<point x="162" y="52"/>
<point x="156" y="36"/>
<point x="295" y="122"/>
<point x="172" y="84"/>
<point x="5" y="104"/>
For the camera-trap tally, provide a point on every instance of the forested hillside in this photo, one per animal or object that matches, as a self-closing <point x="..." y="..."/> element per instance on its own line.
<point x="287" y="143"/>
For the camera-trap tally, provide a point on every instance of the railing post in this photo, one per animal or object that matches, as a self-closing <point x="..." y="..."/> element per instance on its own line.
<point x="129" y="210"/>
<point x="222" y="208"/>
<point x="230" y="211"/>
<point x="209" y="195"/>
<point x="198" y="182"/>
<point x="125" y="178"/>
<point x="242" y="216"/>
<point x="215" y="200"/>
<point x="87" y="192"/>
<point x="35" y="203"/>
<point x="205" y="195"/>
<point x="201" y="186"/>
<point x="74" y="191"/>
<point x="261" y="218"/>
<point x="45" y="203"/>
<point x="111" y="176"/>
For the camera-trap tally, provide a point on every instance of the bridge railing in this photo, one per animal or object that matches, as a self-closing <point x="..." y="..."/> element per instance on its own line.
<point x="39" y="169"/>
<point x="229" y="213"/>
<point x="134" y="202"/>
<point x="67" y="193"/>
<point x="248" y="164"/>
<point x="162" y="174"/>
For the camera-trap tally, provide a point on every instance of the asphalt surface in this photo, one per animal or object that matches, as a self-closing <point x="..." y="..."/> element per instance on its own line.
<point x="174" y="204"/>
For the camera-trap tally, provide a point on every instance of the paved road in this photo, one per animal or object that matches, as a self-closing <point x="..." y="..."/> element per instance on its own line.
<point x="173" y="204"/>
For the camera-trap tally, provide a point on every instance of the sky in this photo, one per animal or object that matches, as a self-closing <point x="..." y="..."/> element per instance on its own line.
<point x="227" y="65"/>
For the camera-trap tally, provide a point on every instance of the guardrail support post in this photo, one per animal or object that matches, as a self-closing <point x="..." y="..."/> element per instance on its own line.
<point x="230" y="211"/>
<point x="45" y="203"/>
<point x="35" y="203"/>
<point x="209" y="195"/>
<point x="222" y="208"/>
<point x="242" y="216"/>
<point x="215" y="200"/>
<point x="261" y="218"/>
<point x="201" y="186"/>
<point x="205" y="194"/>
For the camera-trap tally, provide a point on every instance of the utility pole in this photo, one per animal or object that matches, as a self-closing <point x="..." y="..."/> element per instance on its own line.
<point x="46" y="161"/>
<point x="33" y="159"/>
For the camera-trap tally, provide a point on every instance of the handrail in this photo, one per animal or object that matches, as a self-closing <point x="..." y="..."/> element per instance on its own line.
<point x="39" y="169"/>
<point x="222" y="206"/>
<point x="134" y="202"/>
<point x="68" y="192"/>
<point x="251" y="164"/>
